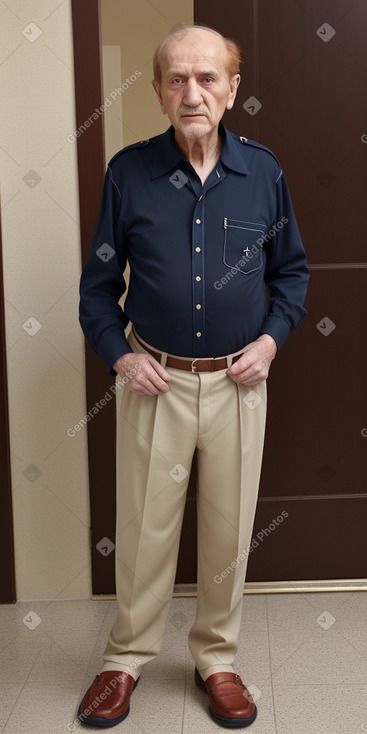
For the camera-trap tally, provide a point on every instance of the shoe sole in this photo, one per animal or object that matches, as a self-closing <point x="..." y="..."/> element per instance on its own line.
<point x="233" y="723"/>
<point x="229" y="723"/>
<point x="103" y="722"/>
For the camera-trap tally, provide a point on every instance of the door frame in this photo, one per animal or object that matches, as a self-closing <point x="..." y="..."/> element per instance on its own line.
<point x="91" y="172"/>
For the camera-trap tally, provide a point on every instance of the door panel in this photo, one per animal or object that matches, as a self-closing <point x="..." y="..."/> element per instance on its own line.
<point x="305" y="545"/>
<point x="317" y="397"/>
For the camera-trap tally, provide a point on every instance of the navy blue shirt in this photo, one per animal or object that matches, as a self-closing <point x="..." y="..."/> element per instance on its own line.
<point x="199" y="255"/>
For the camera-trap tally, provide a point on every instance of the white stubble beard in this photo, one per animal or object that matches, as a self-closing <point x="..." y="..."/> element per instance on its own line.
<point x="193" y="129"/>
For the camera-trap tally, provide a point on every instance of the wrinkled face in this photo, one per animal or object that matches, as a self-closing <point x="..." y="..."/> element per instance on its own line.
<point x="195" y="89"/>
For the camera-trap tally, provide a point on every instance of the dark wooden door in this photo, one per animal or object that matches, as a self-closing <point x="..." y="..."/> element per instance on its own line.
<point x="309" y="81"/>
<point x="306" y="67"/>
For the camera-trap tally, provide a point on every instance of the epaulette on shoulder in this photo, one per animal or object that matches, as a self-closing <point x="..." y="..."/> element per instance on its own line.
<point x="255" y="144"/>
<point x="140" y="144"/>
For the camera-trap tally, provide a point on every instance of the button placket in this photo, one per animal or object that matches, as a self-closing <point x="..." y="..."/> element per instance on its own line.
<point x="197" y="275"/>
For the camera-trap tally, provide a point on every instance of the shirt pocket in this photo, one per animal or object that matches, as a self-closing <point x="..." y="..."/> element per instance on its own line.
<point x="240" y="250"/>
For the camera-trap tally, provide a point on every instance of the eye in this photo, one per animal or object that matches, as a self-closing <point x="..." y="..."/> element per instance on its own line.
<point x="208" y="80"/>
<point x="176" y="80"/>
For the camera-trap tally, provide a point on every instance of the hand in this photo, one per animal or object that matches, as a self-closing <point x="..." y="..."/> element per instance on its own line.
<point x="145" y="375"/>
<point x="253" y="366"/>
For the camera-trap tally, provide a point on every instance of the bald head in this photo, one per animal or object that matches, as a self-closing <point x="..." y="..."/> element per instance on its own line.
<point x="227" y="51"/>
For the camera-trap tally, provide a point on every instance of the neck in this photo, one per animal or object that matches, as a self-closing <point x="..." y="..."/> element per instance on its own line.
<point x="202" y="152"/>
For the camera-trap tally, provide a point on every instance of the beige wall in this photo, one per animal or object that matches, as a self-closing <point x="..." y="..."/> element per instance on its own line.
<point x="136" y="28"/>
<point x="42" y="268"/>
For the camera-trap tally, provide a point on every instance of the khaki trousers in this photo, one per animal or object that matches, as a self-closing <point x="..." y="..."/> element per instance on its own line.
<point x="156" y="439"/>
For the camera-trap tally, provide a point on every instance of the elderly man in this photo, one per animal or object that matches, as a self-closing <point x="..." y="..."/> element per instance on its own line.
<point x="204" y="219"/>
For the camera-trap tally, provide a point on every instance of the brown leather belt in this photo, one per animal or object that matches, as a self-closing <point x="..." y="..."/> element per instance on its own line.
<point x="191" y="365"/>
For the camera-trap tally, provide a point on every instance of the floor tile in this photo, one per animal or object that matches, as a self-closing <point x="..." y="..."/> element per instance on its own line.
<point x="11" y="621"/>
<point x="315" y="657"/>
<point x="321" y="709"/>
<point x="18" y="659"/>
<point x="42" y="708"/>
<point x="254" y="611"/>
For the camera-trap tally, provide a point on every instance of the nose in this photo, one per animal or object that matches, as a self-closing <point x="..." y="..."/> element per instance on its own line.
<point x="193" y="95"/>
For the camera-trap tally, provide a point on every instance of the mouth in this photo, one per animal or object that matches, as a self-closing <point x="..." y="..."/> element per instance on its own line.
<point x="193" y="116"/>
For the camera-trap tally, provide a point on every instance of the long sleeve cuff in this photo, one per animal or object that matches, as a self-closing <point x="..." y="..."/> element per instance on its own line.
<point x="113" y="346"/>
<point x="277" y="328"/>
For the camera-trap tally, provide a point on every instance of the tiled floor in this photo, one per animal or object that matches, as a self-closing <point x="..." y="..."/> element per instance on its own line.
<point x="310" y="671"/>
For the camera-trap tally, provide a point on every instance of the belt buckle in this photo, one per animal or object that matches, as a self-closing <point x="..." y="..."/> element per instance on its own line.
<point x="193" y="365"/>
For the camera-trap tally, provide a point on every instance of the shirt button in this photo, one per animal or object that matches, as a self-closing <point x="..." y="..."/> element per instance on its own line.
<point x="198" y="333"/>
<point x="197" y="249"/>
<point x="198" y="306"/>
<point x="198" y="278"/>
<point x="198" y="221"/>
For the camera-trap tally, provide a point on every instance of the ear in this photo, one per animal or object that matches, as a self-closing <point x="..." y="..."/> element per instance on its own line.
<point x="157" y="89"/>
<point x="233" y="86"/>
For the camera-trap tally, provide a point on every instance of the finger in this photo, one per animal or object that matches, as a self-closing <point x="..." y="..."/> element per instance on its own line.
<point x="250" y="377"/>
<point x="159" y="369"/>
<point x="146" y="392"/>
<point x="241" y="364"/>
<point x="242" y="370"/>
<point x="153" y="373"/>
<point x="246" y="373"/>
<point x="147" y="389"/>
<point x="148" y="382"/>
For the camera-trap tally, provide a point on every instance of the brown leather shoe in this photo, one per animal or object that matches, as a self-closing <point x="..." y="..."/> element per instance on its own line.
<point x="107" y="701"/>
<point x="230" y="703"/>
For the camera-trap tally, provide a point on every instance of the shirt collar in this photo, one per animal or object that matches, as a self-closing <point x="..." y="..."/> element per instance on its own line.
<point x="168" y="155"/>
